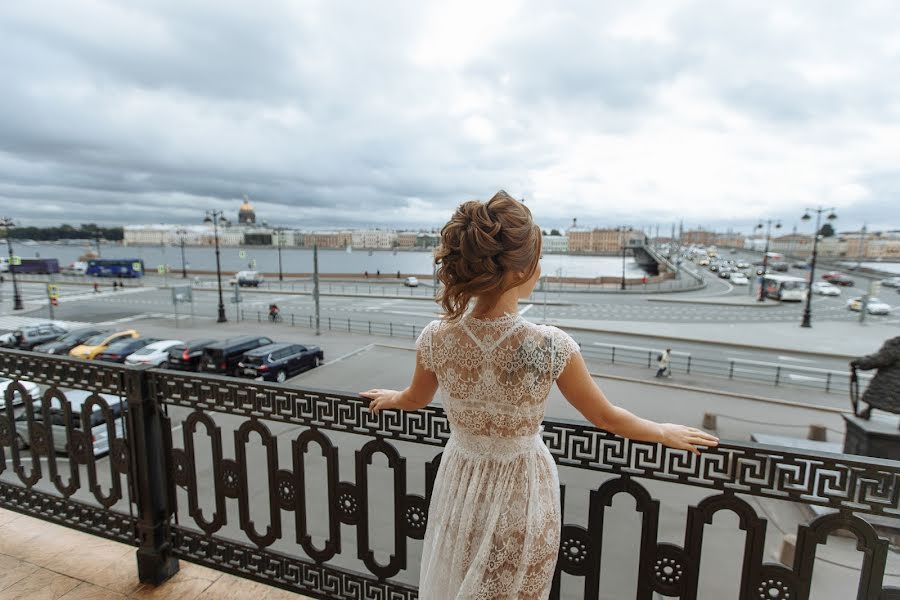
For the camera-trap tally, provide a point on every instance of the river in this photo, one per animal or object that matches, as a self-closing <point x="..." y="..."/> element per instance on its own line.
<point x="299" y="260"/>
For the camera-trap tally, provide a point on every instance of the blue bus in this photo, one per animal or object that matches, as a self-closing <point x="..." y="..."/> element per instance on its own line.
<point x="115" y="267"/>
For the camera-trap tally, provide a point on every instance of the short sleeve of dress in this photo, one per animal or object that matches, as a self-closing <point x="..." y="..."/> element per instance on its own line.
<point x="563" y="347"/>
<point x="424" y="347"/>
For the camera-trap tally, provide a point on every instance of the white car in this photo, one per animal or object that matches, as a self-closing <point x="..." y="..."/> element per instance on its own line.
<point x="98" y="426"/>
<point x="874" y="306"/>
<point x="154" y="354"/>
<point x="893" y="282"/>
<point x="30" y="387"/>
<point x="738" y="278"/>
<point x="823" y="288"/>
<point x="411" y="282"/>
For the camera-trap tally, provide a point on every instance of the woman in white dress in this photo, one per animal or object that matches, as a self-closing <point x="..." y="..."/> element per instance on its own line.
<point x="494" y="518"/>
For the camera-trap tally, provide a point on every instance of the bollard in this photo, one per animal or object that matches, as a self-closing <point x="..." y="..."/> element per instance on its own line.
<point x="292" y="319"/>
<point x="709" y="421"/>
<point x="348" y="325"/>
<point x="817" y="433"/>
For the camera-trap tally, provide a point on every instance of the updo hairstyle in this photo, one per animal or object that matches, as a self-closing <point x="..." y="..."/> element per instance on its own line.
<point x="481" y="244"/>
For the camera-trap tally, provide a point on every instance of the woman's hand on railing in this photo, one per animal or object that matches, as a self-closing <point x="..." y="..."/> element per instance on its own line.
<point x="686" y="438"/>
<point x="381" y="399"/>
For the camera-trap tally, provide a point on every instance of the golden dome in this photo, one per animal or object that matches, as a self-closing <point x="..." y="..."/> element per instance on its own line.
<point x="246" y="206"/>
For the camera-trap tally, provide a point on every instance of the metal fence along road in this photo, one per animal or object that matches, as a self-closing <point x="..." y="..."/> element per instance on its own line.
<point x="769" y="373"/>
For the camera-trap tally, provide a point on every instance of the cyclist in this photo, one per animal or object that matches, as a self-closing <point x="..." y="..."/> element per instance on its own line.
<point x="274" y="312"/>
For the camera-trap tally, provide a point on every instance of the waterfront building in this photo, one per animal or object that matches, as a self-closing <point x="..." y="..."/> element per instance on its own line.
<point x="700" y="237"/>
<point x="597" y="240"/>
<point x="374" y="238"/>
<point x="792" y="244"/>
<point x="556" y="243"/>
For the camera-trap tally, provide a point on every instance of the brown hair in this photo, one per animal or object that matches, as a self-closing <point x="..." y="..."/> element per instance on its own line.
<point x="480" y="244"/>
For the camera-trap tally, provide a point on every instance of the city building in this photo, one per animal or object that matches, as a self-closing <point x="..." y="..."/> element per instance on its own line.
<point x="699" y="236"/>
<point x="374" y="238"/>
<point x="600" y="240"/>
<point x="556" y="244"/>
<point x="246" y="214"/>
<point x="792" y="244"/>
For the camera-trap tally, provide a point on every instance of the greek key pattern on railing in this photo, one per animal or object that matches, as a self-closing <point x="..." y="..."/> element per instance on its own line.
<point x="62" y="371"/>
<point x="77" y="515"/>
<point x="316" y="580"/>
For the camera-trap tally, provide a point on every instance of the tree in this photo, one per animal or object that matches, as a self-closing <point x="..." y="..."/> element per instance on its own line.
<point x="827" y="230"/>
<point x="555" y="232"/>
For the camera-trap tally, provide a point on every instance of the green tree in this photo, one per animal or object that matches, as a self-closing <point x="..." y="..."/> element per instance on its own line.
<point x="555" y="232"/>
<point x="827" y="230"/>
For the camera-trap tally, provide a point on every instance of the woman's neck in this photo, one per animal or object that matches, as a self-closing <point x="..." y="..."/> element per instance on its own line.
<point x="503" y="306"/>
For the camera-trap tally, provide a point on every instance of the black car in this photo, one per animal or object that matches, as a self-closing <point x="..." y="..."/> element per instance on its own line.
<point x="779" y="266"/>
<point x="713" y="267"/>
<point x="119" y="351"/>
<point x="223" y="357"/>
<point x="279" y="361"/>
<point x="76" y="337"/>
<point x="186" y="356"/>
<point x="26" y="338"/>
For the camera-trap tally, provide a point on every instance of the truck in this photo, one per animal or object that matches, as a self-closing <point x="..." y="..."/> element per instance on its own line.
<point x="247" y="279"/>
<point x="43" y="266"/>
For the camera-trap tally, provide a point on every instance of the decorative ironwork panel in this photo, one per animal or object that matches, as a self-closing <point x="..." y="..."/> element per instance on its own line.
<point x="62" y="371"/>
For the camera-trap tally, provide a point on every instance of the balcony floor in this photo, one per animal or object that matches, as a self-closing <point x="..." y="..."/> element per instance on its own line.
<point x="43" y="561"/>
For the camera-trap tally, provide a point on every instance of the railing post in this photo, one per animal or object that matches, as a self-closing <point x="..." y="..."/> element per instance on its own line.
<point x="391" y="324"/>
<point x="828" y="382"/>
<point x="777" y="374"/>
<point x="689" y="364"/>
<point x="613" y="355"/>
<point x="730" y="369"/>
<point x="152" y="488"/>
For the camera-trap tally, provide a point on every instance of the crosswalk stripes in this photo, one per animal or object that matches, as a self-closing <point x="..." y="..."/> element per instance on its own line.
<point x="12" y="322"/>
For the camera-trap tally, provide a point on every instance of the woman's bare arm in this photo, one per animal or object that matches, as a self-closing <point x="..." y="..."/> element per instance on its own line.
<point x="582" y="392"/>
<point x="419" y="393"/>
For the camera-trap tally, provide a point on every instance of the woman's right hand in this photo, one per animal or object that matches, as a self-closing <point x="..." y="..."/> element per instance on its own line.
<point x="686" y="438"/>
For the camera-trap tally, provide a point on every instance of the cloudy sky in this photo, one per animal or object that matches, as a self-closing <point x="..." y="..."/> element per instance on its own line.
<point x="332" y="113"/>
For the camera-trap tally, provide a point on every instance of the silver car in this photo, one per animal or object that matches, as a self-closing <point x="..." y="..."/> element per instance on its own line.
<point x="77" y="399"/>
<point x="32" y="388"/>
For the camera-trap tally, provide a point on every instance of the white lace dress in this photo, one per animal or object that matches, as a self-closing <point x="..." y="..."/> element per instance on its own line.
<point x="494" y="518"/>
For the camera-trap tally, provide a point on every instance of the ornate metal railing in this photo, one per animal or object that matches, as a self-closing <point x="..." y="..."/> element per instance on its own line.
<point x="221" y="472"/>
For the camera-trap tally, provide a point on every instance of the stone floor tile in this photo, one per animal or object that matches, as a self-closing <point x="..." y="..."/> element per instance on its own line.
<point x="89" y="591"/>
<point x="7" y="515"/>
<point x="13" y="570"/>
<point x="40" y="585"/>
<point x="182" y="586"/>
<point x="229" y="587"/>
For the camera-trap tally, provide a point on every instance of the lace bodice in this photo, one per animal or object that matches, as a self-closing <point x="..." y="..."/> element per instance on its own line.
<point x="495" y="374"/>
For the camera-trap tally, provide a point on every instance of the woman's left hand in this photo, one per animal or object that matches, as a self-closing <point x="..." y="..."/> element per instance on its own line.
<point x="381" y="399"/>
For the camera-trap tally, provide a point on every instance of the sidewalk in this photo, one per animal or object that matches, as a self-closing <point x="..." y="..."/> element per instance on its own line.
<point x="841" y="339"/>
<point x="44" y="561"/>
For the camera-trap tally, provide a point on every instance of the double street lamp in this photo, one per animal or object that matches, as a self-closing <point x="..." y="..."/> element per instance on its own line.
<point x="181" y="233"/>
<point x="279" y="231"/>
<point x="216" y="217"/>
<point x="622" y="243"/>
<point x="8" y="224"/>
<point x="765" y="265"/>
<point x="807" y="312"/>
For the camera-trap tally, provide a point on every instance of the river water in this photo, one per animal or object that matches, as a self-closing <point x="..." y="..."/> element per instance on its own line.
<point x="299" y="260"/>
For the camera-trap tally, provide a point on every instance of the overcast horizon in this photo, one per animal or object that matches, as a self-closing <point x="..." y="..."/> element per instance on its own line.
<point x="389" y="114"/>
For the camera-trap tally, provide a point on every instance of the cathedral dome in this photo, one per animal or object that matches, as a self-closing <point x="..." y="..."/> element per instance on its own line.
<point x="246" y="213"/>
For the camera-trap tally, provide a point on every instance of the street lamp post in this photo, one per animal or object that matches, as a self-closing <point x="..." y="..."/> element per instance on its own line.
<point x="216" y="218"/>
<point x="8" y="224"/>
<point x="807" y="312"/>
<point x="181" y="233"/>
<point x="622" y="242"/>
<point x="765" y="265"/>
<point x="278" y="231"/>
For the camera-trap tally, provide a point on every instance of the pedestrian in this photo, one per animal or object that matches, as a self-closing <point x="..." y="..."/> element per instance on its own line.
<point x="378" y="274"/>
<point x="644" y="280"/>
<point x="883" y="392"/>
<point x="115" y="285"/>
<point x="398" y="274"/>
<point x="494" y="523"/>
<point x="367" y="274"/>
<point x="96" y="288"/>
<point x="662" y="361"/>
<point x="121" y="283"/>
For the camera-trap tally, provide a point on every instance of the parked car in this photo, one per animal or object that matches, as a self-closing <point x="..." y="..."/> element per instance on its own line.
<point x="97" y="344"/>
<point x="31" y="388"/>
<point x="77" y="398"/>
<point x="411" y="282"/>
<point x="743" y="264"/>
<point x="823" y="288"/>
<point x="725" y="273"/>
<point x="121" y="350"/>
<point x="739" y="278"/>
<point x="278" y="362"/>
<point x="779" y="267"/>
<point x="247" y="279"/>
<point x="223" y="357"/>
<point x="893" y="282"/>
<point x="874" y="306"/>
<point x="156" y="353"/>
<point x="26" y="338"/>
<point x="837" y="278"/>
<point x="76" y="337"/>
<point x="186" y="356"/>
<point x="800" y="264"/>
<point x="713" y="267"/>
<point x="704" y="262"/>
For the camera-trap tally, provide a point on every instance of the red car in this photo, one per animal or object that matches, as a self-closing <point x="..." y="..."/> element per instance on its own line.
<point x="837" y="278"/>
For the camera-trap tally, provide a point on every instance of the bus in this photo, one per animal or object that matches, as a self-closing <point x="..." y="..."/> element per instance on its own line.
<point x="115" y="267"/>
<point x="785" y="288"/>
<point x="44" y="266"/>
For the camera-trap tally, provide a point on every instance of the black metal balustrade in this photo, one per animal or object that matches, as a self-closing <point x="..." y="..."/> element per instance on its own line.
<point x="188" y="465"/>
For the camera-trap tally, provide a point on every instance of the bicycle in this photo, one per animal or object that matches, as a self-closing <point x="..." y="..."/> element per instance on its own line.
<point x="275" y="317"/>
